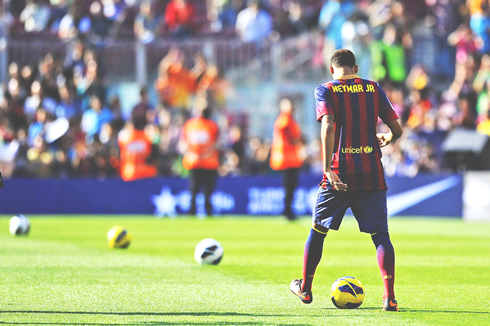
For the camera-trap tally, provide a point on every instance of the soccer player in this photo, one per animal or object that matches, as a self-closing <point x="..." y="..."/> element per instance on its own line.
<point x="348" y="108"/>
<point x="200" y="135"/>
<point x="285" y="155"/>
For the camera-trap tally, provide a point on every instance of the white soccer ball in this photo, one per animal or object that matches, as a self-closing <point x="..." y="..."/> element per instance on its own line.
<point x="19" y="225"/>
<point x="208" y="252"/>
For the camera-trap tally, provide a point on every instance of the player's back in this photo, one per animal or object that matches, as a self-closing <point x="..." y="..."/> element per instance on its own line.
<point x="356" y="104"/>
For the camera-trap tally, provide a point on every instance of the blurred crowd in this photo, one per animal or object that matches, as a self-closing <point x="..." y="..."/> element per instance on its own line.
<point x="252" y="20"/>
<point x="57" y="118"/>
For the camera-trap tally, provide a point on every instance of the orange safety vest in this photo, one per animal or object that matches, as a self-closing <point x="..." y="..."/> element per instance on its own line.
<point x="135" y="148"/>
<point x="284" y="150"/>
<point x="200" y="135"/>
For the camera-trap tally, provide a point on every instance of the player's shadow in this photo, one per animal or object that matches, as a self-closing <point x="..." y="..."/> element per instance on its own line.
<point x="420" y="310"/>
<point x="163" y="314"/>
<point x="445" y="311"/>
<point x="152" y="323"/>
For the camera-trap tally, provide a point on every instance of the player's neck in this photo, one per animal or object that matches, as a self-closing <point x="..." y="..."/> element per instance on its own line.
<point x="344" y="73"/>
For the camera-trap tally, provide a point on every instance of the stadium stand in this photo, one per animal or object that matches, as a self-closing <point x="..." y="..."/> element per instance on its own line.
<point x="432" y="57"/>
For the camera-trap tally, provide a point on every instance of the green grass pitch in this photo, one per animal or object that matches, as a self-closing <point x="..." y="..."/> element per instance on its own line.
<point x="63" y="273"/>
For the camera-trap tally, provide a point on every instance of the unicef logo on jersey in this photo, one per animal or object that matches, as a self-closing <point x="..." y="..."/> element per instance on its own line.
<point x="358" y="150"/>
<point x="368" y="149"/>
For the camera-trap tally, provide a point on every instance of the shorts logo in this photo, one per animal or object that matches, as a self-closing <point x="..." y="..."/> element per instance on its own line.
<point x="357" y="150"/>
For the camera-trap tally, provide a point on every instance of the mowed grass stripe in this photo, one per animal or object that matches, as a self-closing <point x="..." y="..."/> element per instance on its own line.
<point x="64" y="273"/>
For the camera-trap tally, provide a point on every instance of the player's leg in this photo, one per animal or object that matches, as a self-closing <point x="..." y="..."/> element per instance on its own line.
<point x="369" y="208"/>
<point x="328" y="214"/>
<point x="311" y="258"/>
<point x="194" y="188"/>
<point x="386" y="261"/>
<point x="312" y="254"/>
<point x="290" y="184"/>
<point x="209" y="183"/>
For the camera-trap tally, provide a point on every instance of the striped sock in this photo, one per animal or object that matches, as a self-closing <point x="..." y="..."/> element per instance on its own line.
<point x="386" y="261"/>
<point x="311" y="257"/>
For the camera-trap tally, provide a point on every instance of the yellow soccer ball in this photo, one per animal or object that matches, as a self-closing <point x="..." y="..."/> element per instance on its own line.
<point x="118" y="237"/>
<point x="347" y="293"/>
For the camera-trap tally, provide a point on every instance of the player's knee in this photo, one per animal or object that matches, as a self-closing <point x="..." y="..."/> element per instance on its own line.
<point x="380" y="236"/>
<point x="319" y="228"/>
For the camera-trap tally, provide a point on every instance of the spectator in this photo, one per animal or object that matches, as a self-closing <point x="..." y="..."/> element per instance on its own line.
<point x="417" y="78"/>
<point x="74" y="24"/>
<point x="142" y="109"/>
<point x="146" y="23"/>
<point x="179" y="18"/>
<point x="35" y="15"/>
<point x="115" y="107"/>
<point x="361" y="43"/>
<point x="37" y="126"/>
<point x="95" y="117"/>
<point x="6" y="21"/>
<point x="296" y="18"/>
<point x="389" y="57"/>
<point x="113" y="9"/>
<point x="291" y="20"/>
<point x="58" y="11"/>
<point x="420" y="106"/>
<point x="484" y="124"/>
<point x="68" y="107"/>
<point x="332" y="17"/>
<point x="33" y="101"/>
<point x="480" y="22"/>
<point x="464" y="42"/>
<point x="465" y="116"/>
<point x="40" y="159"/>
<point x="14" y="105"/>
<point x="253" y="23"/>
<point x="175" y="83"/>
<point x="100" y="24"/>
<point x="446" y="14"/>
<point x="213" y="85"/>
<point x="223" y="14"/>
<point x="90" y="83"/>
<point x="27" y="77"/>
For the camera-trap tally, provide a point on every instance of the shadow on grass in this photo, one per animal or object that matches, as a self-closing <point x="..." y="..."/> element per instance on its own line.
<point x="419" y="310"/>
<point x="163" y="314"/>
<point x="446" y="311"/>
<point x="152" y="323"/>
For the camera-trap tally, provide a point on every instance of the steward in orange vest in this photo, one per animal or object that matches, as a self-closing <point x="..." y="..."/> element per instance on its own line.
<point x="136" y="152"/>
<point x="201" y="157"/>
<point x="286" y="153"/>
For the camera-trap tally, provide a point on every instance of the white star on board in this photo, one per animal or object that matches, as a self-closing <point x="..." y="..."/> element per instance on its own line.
<point x="164" y="203"/>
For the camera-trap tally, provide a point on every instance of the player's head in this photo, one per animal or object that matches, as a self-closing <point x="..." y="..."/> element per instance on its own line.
<point x="343" y="61"/>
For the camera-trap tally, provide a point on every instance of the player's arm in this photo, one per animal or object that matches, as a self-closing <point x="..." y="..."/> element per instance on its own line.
<point x="328" y="144"/>
<point x="395" y="132"/>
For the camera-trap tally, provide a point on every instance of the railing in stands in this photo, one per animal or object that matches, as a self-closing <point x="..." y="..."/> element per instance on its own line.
<point x="294" y="59"/>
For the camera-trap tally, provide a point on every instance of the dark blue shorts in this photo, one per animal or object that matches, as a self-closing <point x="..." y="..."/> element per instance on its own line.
<point x="368" y="207"/>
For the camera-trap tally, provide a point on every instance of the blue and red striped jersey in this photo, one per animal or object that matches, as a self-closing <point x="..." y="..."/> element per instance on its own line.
<point x="356" y="104"/>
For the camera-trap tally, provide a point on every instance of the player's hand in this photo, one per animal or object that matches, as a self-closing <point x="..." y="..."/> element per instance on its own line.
<point x="384" y="139"/>
<point x="335" y="181"/>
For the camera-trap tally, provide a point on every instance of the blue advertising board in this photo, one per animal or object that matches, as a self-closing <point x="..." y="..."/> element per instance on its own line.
<point x="428" y="195"/>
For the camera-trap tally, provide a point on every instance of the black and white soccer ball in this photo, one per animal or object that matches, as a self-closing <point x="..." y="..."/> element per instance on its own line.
<point x="208" y="252"/>
<point x="19" y="225"/>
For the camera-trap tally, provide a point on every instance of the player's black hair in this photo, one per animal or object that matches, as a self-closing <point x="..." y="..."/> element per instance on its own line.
<point x="342" y="58"/>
